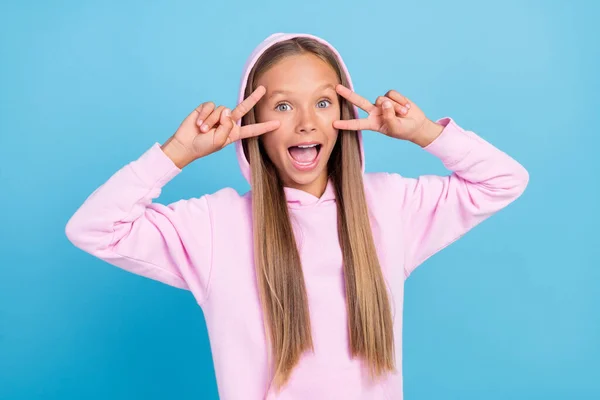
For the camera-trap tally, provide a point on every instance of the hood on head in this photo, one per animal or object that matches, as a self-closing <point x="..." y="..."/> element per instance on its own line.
<point x="251" y="61"/>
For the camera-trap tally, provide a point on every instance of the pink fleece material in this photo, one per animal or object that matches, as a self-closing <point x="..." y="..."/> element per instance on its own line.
<point x="205" y="245"/>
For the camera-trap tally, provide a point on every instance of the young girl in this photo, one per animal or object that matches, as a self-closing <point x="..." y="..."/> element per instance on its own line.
<point x="301" y="280"/>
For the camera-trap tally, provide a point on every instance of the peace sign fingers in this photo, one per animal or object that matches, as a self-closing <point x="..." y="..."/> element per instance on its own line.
<point x="251" y="130"/>
<point x="372" y="122"/>
<point x="354" y="124"/>
<point x="355" y="99"/>
<point x="246" y="105"/>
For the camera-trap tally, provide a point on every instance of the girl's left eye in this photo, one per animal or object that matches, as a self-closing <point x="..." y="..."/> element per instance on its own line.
<point x="323" y="103"/>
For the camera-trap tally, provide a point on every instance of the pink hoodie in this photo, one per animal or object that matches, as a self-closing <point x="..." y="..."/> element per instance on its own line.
<point x="205" y="245"/>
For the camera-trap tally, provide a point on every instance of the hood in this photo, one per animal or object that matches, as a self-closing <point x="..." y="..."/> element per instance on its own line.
<point x="293" y="195"/>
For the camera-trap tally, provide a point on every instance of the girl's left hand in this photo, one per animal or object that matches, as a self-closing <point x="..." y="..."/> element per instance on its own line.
<point x="393" y="115"/>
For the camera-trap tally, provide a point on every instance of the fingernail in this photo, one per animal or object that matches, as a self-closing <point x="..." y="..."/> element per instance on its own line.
<point x="204" y="127"/>
<point x="404" y="110"/>
<point x="227" y="112"/>
<point x="199" y="122"/>
<point x="387" y="104"/>
<point x="407" y="105"/>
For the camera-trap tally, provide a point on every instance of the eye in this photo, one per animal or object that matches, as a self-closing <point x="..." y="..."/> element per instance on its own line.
<point x="323" y="103"/>
<point x="279" y="106"/>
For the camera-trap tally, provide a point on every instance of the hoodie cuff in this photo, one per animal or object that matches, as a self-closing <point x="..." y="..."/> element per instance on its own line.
<point x="154" y="167"/>
<point x="452" y="145"/>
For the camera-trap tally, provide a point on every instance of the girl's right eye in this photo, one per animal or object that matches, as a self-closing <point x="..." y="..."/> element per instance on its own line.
<point x="279" y="106"/>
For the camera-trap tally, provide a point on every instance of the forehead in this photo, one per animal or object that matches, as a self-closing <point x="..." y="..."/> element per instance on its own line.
<point x="299" y="71"/>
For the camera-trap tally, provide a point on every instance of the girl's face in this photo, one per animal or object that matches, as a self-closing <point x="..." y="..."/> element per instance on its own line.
<point x="301" y="95"/>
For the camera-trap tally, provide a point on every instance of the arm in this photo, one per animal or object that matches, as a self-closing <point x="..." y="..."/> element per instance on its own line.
<point x="120" y="224"/>
<point x="437" y="210"/>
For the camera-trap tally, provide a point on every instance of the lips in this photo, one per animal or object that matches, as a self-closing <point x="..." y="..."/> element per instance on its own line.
<point x="305" y="155"/>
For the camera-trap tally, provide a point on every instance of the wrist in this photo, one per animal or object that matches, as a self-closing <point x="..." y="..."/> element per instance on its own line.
<point x="176" y="152"/>
<point x="427" y="133"/>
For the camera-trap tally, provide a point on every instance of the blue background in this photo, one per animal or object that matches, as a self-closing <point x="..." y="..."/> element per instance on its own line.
<point x="509" y="311"/>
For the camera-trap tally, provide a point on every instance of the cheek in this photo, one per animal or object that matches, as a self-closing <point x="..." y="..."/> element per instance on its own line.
<point x="264" y="113"/>
<point x="271" y="141"/>
<point x="269" y="115"/>
<point x="331" y="114"/>
<point x="328" y="119"/>
<point x="332" y="139"/>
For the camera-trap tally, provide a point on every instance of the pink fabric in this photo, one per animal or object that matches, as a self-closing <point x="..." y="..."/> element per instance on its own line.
<point x="205" y="245"/>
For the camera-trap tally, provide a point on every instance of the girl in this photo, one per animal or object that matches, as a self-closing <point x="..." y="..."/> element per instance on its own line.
<point x="301" y="280"/>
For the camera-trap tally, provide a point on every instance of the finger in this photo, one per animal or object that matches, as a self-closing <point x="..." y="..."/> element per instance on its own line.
<point x="252" y="130"/>
<point x="246" y="105"/>
<point x="398" y="98"/>
<point x="398" y="108"/>
<point x="204" y="111"/>
<point x="389" y="115"/>
<point x="225" y="125"/>
<point x="212" y="119"/>
<point x="353" y="124"/>
<point x="354" y="98"/>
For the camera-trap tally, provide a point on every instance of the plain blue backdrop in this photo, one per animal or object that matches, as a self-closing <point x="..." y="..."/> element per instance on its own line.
<point x="511" y="311"/>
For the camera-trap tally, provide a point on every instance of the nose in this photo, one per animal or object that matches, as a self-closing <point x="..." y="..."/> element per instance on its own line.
<point x="306" y="122"/>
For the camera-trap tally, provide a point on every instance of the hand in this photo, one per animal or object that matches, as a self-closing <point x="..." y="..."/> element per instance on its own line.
<point x="190" y="142"/>
<point x="393" y="115"/>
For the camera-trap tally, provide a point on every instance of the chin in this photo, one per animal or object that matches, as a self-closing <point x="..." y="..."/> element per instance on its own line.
<point x="304" y="180"/>
<point x="301" y="177"/>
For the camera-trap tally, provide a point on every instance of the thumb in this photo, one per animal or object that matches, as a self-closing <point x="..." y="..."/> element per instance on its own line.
<point x="389" y="116"/>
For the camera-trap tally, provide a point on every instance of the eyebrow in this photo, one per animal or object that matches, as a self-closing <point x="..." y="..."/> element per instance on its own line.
<point x="324" y="86"/>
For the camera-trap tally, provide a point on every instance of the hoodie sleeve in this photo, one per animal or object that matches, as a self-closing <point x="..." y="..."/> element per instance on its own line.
<point x="437" y="210"/>
<point x="120" y="224"/>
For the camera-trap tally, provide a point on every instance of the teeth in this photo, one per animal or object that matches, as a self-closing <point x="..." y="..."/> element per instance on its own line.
<point x="307" y="146"/>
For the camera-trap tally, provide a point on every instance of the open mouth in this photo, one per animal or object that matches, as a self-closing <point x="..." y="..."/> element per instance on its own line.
<point x="305" y="156"/>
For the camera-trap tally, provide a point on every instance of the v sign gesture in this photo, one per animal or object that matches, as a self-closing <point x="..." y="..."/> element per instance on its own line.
<point x="208" y="129"/>
<point x="393" y="115"/>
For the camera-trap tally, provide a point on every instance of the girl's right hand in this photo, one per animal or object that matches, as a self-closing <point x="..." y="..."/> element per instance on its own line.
<point x="190" y="142"/>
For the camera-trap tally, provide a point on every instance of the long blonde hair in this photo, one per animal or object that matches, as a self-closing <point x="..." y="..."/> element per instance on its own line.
<point x="279" y="272"/>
